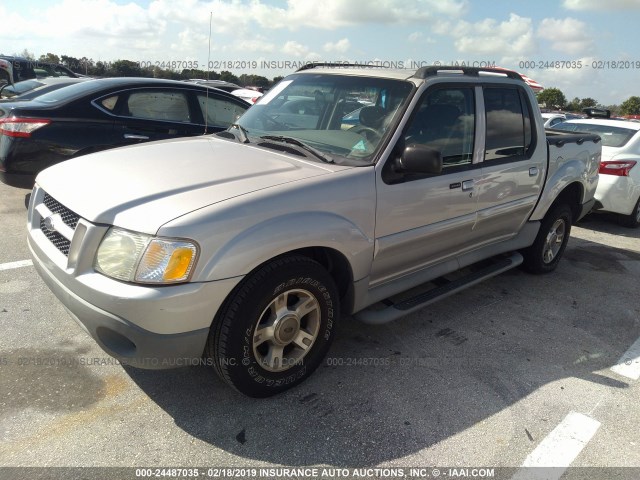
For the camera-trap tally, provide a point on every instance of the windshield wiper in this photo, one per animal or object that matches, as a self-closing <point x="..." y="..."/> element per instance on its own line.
<point x="242" y="132"/>
<point x="294" y="141"/>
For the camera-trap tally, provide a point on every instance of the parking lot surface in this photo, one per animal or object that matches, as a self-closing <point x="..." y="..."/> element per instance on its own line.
<point x="483" y="378"/>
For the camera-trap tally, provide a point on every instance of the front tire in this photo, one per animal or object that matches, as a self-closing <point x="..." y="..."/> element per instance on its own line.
<point x="276" y="327"/>
<point x="545" y="253"/>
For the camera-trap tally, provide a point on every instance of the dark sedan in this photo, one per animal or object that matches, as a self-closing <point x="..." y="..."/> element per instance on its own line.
<point x="106" y="113"/>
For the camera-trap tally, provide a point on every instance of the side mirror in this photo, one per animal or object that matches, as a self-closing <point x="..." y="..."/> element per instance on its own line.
<point x="418" y="158"/>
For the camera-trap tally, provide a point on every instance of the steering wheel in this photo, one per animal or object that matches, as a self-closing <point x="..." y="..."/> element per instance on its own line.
<point x="371" y="134"/>
<point x="278" y="125"/>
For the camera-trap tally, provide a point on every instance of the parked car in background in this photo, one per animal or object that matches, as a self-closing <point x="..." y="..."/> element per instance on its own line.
<point x="251" y="96"/>
<point x="16" y="69"/>
<point x="101" y="114"/>
<point x="550" y="119"/>
<point x="221" y="84"/>
<point x="619" y="186"/>
<point x="29" y="89"/>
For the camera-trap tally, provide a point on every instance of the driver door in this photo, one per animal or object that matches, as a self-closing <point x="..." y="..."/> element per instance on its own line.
<point x="422" y="220"/>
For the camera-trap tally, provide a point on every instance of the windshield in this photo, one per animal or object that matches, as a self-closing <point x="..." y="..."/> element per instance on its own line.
<point x="611" y="136"/>
<point x="345" y="117"/>
<point x="20" y="87"/>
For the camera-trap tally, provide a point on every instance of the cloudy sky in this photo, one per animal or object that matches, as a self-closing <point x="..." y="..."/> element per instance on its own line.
<point x="597" y="33"/>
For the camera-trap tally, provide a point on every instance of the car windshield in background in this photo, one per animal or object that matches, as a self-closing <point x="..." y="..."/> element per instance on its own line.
<point x="345" y="117"/>
<point x="611" y="136"/>
<point x="20" y="87"/>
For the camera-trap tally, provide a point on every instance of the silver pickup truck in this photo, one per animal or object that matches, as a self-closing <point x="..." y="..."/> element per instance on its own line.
<point x="337" y="193"/>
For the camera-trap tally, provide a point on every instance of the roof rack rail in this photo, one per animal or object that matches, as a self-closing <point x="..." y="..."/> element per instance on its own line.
<point x="311" y="65"/>
<point x="426" y="72"/>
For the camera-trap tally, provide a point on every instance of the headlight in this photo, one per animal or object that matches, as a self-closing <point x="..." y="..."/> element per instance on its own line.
<point x="136" y="257"/>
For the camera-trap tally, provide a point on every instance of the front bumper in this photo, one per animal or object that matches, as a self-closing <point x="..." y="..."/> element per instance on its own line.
<point x="145" y="326"/>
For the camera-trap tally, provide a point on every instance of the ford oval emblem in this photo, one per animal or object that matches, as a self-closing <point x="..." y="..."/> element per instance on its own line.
<point x="49" y="223"/>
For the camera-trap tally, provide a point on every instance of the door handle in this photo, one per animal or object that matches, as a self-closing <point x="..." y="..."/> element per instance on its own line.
<point x="533" y="171"/>
<point x="131" y="136"/>
<point x="467" y="185"/>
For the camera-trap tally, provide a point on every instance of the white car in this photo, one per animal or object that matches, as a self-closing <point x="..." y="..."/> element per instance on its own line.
<point x="247" y="95"/>
<point x="551" y="119"/>
<point x="619" y="185"/>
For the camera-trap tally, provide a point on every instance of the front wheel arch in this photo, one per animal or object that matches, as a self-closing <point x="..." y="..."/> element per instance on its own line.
<point x="272" y="302"/>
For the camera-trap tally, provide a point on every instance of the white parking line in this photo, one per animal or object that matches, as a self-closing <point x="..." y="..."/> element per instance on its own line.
<point x="12" y="265"/>
<point x="559" y="449"/>
<point x="629" y="364"/>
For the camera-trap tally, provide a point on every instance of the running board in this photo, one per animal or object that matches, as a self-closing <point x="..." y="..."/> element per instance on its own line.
<point x="443" y="289"/>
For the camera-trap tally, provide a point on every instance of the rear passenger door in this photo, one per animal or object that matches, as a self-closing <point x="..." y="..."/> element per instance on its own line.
<point x="422" y="220"/>
<point x="513" y="166"/>
<point x="153" y="114"/>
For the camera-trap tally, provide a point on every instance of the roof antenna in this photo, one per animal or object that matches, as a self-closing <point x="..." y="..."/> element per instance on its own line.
<point x="206" y="105"/>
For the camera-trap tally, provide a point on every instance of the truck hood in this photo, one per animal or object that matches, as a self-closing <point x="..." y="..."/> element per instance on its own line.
<point x="142" y="187"/>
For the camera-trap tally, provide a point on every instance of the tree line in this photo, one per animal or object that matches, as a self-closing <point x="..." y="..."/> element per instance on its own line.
<point x="554" y="98"/>
<point x="551" y="97"/>
<point x="128" y="68"/>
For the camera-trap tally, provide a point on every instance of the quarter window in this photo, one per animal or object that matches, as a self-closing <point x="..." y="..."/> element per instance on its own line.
<point x="110" y="102"/>
<point x="508" y="124"/>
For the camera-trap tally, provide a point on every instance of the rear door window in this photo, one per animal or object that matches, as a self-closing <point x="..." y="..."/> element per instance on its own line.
<point x="159" y="104"/>
<point x="508" y="124"/>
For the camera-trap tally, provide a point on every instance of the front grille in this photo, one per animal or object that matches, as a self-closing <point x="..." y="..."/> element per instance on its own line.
<point x="69" y="217"/>
<point x="58" y="240"/>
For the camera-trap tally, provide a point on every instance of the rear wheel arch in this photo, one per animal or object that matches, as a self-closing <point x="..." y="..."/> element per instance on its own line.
<point x="571" y="196"/>
<point x="633" y="219"/>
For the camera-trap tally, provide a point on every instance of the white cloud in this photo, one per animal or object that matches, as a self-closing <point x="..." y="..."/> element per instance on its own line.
<point x="295" y="49"/>
<point x="341" y="46"/>
<point x="332" y="14"/>
<point x="513" y="37"/>
<point x="88" y="18"/>
<point x="415" y="37"/>
<point x="601" y="5"/>
<point x="574" y="82"/>
<point x="419" y="38"/>
<point x="254" y="45"/>
<point x="568" y="35"/>
<point x="189" y="40"/>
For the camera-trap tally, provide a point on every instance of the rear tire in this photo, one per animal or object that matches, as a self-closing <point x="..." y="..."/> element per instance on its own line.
<point x="276" y="327"/>
<point x="545" y="253"/>
<point x="633" y="219"/>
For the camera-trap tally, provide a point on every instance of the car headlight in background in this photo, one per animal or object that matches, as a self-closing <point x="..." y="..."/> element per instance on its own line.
<point x="141" y="258"/>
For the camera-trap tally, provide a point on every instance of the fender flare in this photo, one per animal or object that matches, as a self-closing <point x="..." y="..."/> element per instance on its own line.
<point x="573" y="171"/>
<point x="279" y="235"/>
